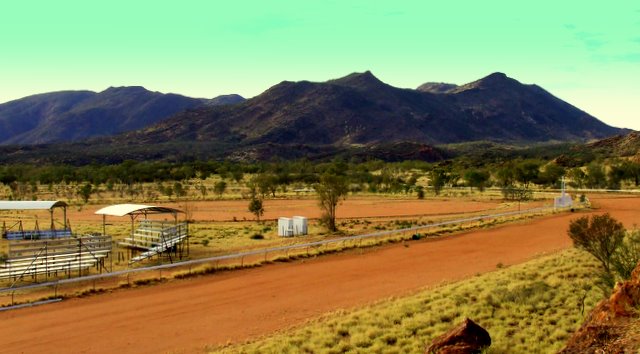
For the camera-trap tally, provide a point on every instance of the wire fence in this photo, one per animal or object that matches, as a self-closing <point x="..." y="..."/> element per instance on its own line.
<point x="139" y="276"/>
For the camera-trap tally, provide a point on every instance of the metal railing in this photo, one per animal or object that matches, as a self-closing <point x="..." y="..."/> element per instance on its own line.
<point x="240" y="257"/>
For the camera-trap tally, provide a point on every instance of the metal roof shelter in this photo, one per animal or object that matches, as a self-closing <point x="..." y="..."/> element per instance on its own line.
<point x="35" y="205"/>
<point x="165" y="238"/>
<point x="31" y="205"/>
<point x="134" y="210"/>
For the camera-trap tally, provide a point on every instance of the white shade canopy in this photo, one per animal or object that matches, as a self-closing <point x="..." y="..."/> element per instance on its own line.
<point x="131" y="209"/>
<point x="31" y="204"/>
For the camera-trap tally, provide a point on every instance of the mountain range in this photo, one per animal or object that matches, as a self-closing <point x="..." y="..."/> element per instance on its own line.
<point x="360" y="109"/>
<point x="357" y="112"/>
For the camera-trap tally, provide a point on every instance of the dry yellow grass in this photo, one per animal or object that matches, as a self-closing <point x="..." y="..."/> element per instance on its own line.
<point x="528" y="308"/>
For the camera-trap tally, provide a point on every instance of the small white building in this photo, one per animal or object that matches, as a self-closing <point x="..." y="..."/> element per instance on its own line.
<point x="285" y="227"/>
<point x="300" y="225"/>
<point x="564" y="200"/>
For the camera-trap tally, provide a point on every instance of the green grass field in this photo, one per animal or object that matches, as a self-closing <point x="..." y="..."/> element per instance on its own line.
<point x="527" y="308"/>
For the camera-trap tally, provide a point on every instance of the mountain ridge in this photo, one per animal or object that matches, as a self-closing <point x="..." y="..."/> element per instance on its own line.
<point x="360" y="109"/>
<point x="65" y="116"/>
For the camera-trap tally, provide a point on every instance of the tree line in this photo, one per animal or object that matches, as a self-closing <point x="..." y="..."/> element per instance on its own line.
<point x="370" y="176"/>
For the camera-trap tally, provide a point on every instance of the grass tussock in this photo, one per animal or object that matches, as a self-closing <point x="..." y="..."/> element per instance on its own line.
<point x="528" y="308"/>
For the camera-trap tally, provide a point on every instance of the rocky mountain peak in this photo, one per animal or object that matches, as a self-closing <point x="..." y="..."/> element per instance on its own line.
<point x="365" y="80"/>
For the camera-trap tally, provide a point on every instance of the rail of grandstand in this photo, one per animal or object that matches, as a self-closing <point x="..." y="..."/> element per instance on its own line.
<point x="32" y="257"/>
<point x="276" y="249"/>
<point x="37" y="234"/>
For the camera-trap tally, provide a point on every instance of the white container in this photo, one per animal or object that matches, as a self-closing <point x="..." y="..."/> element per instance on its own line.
<point x="285" y="227"/>
<point x="563" y="201"/>
<point x="300" y="225"/>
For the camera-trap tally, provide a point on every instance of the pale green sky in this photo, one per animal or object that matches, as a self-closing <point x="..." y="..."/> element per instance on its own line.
<point x="587" y="53"/>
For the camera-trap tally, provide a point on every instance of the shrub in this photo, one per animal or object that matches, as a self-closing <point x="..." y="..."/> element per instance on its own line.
<point x="627" y="255"/>
<point x="257" y="237"/>
<point x="600" y="235"/>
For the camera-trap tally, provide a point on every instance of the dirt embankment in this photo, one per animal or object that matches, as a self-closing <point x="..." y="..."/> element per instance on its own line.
<point x="188" y="315"/>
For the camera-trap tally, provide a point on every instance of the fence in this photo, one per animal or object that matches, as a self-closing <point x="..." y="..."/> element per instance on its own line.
<point x="136" y="276"/>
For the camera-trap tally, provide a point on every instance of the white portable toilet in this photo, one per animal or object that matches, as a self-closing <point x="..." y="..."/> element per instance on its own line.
<point x="285" y="227"/>
<point x="300" y="225"/>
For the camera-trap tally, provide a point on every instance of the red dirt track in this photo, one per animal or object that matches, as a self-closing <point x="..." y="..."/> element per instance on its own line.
<point x="354" y="207"/>
<point x="187" y="315"/>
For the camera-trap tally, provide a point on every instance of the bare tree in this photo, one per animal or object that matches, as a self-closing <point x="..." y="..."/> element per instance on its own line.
<point x="188" y="207"/>
<point x="256" y="207"/>
<point x="331" y="190"/>
<point x="219" y="188"/>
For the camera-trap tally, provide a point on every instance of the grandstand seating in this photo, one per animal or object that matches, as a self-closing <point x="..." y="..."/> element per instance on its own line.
<point x="33" y="257"/>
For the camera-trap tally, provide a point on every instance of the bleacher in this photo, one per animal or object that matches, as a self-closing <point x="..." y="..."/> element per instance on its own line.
<point x="51" y="256"/>
<point x="155" y="237"/>
<point x="37" y="234"/>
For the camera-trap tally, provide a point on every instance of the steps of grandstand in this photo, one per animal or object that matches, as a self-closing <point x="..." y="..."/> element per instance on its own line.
<point x="155" y="238"/>
<point x="158" y="249"/>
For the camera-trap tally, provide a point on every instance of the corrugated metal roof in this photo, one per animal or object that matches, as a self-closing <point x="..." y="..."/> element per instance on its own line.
<point x="31" y="205"/>
<point x="126" y="209"/>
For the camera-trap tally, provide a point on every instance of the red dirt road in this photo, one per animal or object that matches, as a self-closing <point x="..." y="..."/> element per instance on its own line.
<point x="185" y="316"/>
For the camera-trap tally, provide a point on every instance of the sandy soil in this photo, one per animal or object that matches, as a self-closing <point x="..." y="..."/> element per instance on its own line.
<point x="351" y="208"/>
<point x="186" y="316"/>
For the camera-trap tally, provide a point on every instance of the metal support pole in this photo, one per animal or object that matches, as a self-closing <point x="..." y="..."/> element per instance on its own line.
<point x="79" y="257"/>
